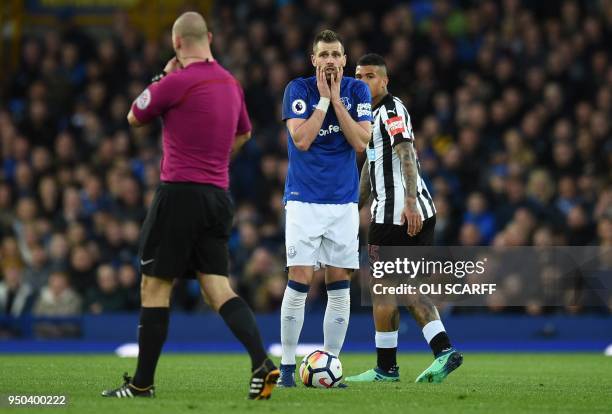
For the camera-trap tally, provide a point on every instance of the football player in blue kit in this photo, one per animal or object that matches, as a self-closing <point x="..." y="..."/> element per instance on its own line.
<point x="328" y="117"/>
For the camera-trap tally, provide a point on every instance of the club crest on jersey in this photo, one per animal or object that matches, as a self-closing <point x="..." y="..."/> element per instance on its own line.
<point x="291" y="252"/>
<point x="346" y="102"/>
<point x="298" y="106"/>
<point x="395" y="125"/>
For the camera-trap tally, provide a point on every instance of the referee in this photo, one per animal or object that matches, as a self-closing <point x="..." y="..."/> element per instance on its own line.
<point x="403" y="214"/>
<point x="188" y="224"/>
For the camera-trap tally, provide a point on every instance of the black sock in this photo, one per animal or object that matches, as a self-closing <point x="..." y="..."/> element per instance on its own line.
<point x="440" y="343"/>
<point x="386" y="358"/>
<point x="239" y="318"/>
<point x="152" y="333"/>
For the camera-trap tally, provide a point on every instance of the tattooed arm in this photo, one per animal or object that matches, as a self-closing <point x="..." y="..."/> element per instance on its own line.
<point x="364" y="184"/>
<point x="408" y="160"/>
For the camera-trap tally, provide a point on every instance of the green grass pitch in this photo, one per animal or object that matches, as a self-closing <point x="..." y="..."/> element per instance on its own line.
<point x="217" y="383"/>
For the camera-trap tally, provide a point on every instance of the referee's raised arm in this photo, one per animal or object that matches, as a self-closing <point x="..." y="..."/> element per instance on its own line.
<point x="172" y="66"/>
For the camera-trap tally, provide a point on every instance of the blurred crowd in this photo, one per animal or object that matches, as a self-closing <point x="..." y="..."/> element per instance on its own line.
<point x="511" y="104"/>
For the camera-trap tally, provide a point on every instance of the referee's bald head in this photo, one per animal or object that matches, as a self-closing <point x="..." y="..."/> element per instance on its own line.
<point x="191" y="27"/>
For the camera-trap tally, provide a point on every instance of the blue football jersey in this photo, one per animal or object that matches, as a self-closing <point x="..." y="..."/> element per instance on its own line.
<point x="326" y="173"/>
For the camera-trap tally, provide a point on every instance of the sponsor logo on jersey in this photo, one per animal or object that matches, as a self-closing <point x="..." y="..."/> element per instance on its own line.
<point x="330" y="130"/>
<point x="371" y="154"/>
<point x="364" y="109"/>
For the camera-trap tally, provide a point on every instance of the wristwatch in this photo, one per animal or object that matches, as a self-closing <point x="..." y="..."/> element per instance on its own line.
<point x="159" y="76"/>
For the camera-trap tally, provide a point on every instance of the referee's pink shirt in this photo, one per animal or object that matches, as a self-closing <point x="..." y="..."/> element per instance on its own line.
<point x="203" y="109"/>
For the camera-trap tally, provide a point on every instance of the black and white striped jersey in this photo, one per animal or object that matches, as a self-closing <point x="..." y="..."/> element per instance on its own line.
<point x="391" y="126"/>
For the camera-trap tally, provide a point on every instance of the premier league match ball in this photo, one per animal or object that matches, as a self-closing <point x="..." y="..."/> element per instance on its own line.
<point x="321" y="369"/>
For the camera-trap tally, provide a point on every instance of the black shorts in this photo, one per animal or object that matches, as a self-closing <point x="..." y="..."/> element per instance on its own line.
<point x="394" y="235"/>
<point x="186" y="230"/>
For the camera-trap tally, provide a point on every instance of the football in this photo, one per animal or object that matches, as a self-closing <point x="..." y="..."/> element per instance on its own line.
<point x="321" y="369"/>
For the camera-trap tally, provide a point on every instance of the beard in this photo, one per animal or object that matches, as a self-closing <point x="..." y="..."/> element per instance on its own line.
<point x="329" y="72"/>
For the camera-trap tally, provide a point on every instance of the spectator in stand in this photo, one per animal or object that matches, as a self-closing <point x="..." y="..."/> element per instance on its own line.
<point x="128" y="281"/>
<point x="106" y="296"/>
<point x="16" y="299"/>
<point x="478" y="214"/>
<point x="37" y="272"/>
<point x="57" y="298"/>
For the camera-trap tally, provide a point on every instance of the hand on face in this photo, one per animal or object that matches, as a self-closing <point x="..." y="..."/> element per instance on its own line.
<point x="329" y="71"/>
<point x="335" y="81"/>
<point x="173" y="65"/>
<point x="322" y="85"/>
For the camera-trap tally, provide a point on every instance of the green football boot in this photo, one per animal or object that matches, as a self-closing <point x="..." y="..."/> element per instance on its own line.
<point x="444" y="364"/>
<point x="376" y="375"/>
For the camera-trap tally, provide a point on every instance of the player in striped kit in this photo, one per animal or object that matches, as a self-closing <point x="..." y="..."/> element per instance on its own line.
<point x="403" y="214"/>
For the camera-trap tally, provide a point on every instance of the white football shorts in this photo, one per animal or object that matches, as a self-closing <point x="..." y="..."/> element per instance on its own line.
<point x="322" y="234"/>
